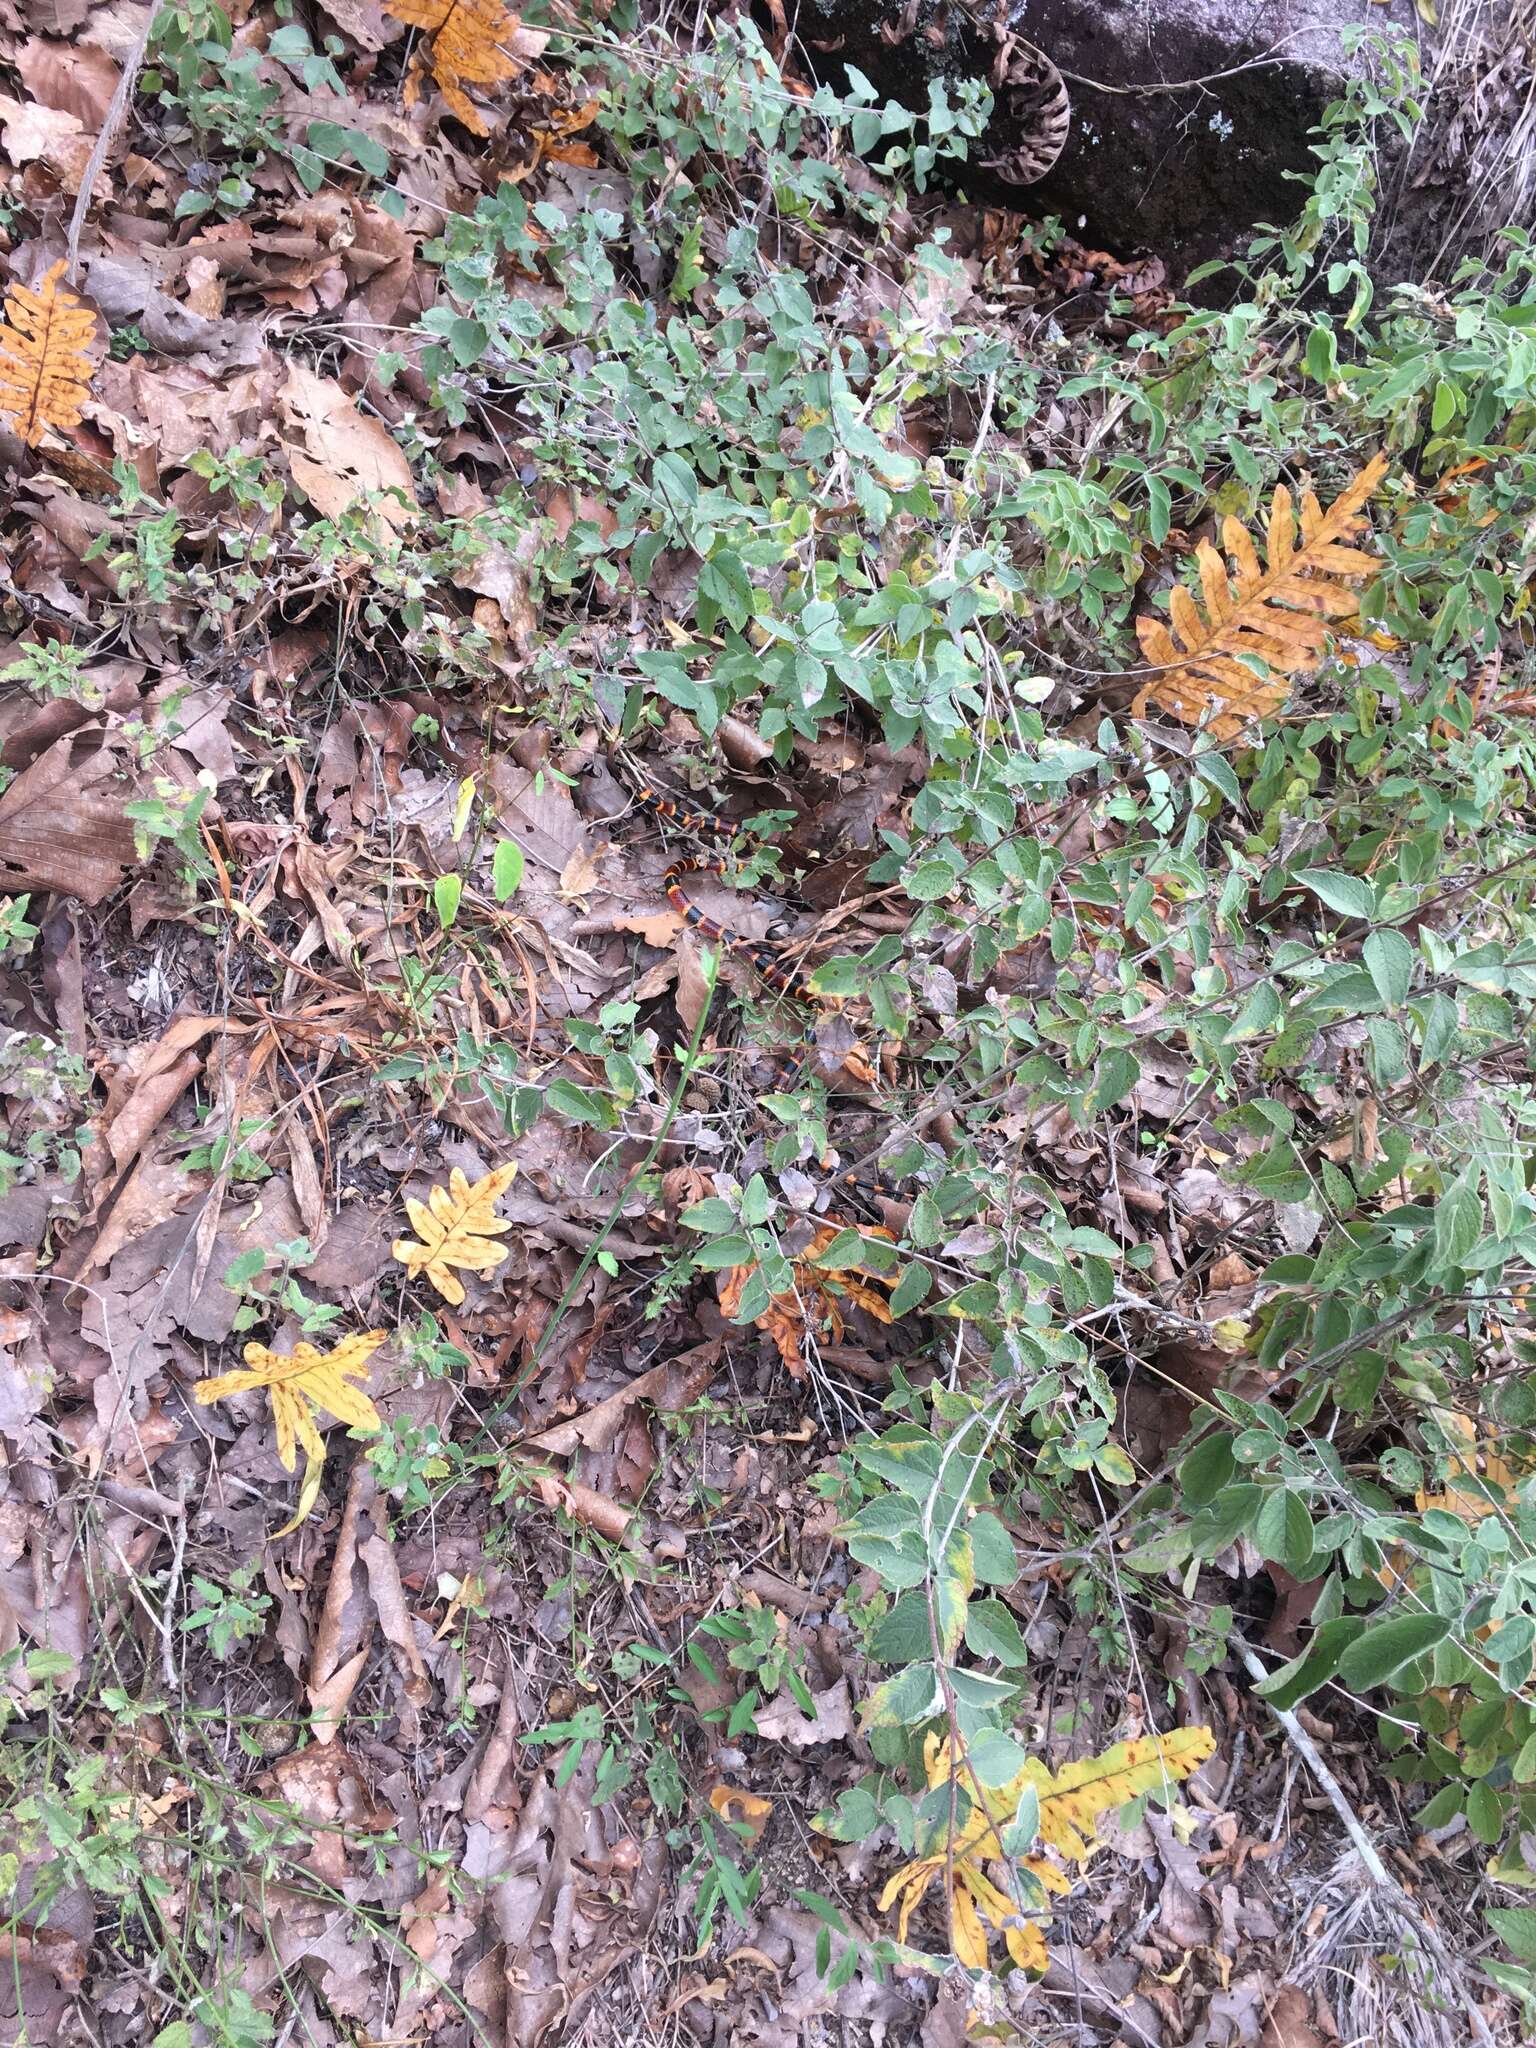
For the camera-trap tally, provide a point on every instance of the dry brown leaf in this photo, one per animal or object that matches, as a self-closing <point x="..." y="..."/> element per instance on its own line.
<point x="1280" y="615"/>
<point x="46" y="135"/>
<point x="660" y="928"/>
<point x="455" y="1225"/>
<point x="346" y="458"/>
<point x="62" y="825"/>
<point x="579" y="877"/>
<point x="345" y="1628"/>
<point x="74" y="78"/>
<point x="378" y="1556"/>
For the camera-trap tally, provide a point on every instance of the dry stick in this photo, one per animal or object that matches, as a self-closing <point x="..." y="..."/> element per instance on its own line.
<point x="1308" y="1751"/>
<point x="117" y="107"/>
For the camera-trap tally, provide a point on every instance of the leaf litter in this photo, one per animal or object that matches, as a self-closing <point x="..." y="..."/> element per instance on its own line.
<point x="267" y="1031"/>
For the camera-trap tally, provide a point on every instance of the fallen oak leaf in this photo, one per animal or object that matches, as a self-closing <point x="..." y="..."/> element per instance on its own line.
<point x="455" y="1225"/>
<point x="347" y="456"/>
<point x="298" y="1385"/>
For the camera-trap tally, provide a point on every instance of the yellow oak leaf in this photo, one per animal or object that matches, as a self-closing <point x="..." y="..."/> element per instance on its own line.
<point x="455" y="1225"/>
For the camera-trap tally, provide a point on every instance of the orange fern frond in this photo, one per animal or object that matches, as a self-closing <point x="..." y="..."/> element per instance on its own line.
<point x="45" y="362"/>
<point x="1282" y="614"/>
<point x="468" y="38"/>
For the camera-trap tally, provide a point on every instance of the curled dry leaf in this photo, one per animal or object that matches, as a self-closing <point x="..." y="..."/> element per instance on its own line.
<point x="815" y="1302"/>
<point x="742" y="1809"/>
<point x="455" y="1225"/>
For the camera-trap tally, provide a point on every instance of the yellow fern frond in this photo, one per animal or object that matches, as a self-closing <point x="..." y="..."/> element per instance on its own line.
<point x="468" y="38"/>
<point x="1282" y="614"/>
<point x="45" y="363"/>
<point x="1071" y="1801"/>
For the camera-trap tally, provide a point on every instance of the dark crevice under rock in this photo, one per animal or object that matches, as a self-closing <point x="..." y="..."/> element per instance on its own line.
<point x="1185" y="173"/>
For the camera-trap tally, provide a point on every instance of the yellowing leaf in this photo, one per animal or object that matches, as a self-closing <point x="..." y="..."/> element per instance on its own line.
<point x="1072" y="1798"/>
<point x="1282" y="614"/>
<point x="45" y="364"/>
<point x="1070" y="1801"/>
<point x="298" y="1385"/>
<point x="455" y="1225"/>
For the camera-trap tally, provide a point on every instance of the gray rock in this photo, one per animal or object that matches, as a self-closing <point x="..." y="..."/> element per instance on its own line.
<point x="1152" y="160"/>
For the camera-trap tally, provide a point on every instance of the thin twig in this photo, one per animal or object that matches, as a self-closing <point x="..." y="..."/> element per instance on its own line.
<point x="1414" y="1918"/>
<point x="113" y="120"/>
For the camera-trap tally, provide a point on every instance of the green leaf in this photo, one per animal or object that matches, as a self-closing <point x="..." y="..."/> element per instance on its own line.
<point x="824" y="1910"/>
<point x="1485" y="1813"/>
<point x="1318" y="1662"/>
<point x="466" y="341"/>
<point x="1282" y="1531"/>
<point x="995" y="1757"/>
<point x="1445" y="1805"/>
<point x="912" y="1288"/>
<point x="506" y="869"/>
<point x="1322" y="355"/>
<point x="243" y="1269"/>
<point x="676" y="484"/>
<point x="1389" y="959"/>
<point x="1388" y="1646"/>
<point x="1516" y="1928"/>
<point x="993" y="1552"/>
<point x="721" y="1252"/>
<point x="1458" y="1222"/>
<point x="1206" y="1470"/>
<point x="930" y="882"/>
<point x="992" y="1631"/>
<point x="48" y="1664"/>
<point x="177" y="2035"/>
<point x="1232" y="1511"/>
<point x="905" y="1634"/>
<point x="446" y="892"/>
<point x="1115" y="1075"/>
<point x="712" y="1215"/>
<point x="1347" y="894"/>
